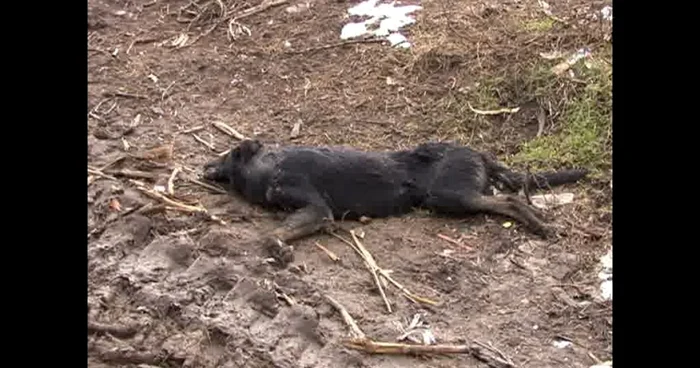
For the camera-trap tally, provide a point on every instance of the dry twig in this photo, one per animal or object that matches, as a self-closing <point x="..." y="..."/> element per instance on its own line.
<point x="171" y="181"/>
<point x="124" y="95"/>
<point x="193" y="130"/>
<point x="133" y="174"/>
<point x="378" y="347"/>
<point x="361" y="342"/>
<point x="372" y="266"/>
<point x="107" y="165"/>
<point x="177" y="206"/>
<point x="347" y="318"/>
<point x="202" y="141"/>
<point x="114" y="330"/>
<point x="407" y="293"/>
<point x="493" y="112"/>
<point x="330" y="254"/>
<point x="100" y="174"/>
<point x="281" y="294"/>
<point x="138" y="41"/>
<point x="384" y="273"/>
<point x="130" y="357"/>
<point x="208" y="186"/>
<point x="228" y="130"/>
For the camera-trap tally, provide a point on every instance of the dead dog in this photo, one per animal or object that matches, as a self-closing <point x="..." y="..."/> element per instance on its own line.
<point x="320" y="184"/>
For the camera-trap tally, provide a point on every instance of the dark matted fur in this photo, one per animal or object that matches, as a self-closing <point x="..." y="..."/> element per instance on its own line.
<point x="326" y="183"/>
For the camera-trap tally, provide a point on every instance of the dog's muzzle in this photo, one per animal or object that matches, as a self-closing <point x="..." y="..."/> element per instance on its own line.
<point x="212" y="173"/>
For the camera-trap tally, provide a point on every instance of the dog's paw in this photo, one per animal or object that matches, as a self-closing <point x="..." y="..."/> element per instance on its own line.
<point x="281" y="252"/>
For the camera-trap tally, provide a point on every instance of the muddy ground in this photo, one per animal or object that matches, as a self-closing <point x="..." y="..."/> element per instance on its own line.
<point x="174" y="289"/>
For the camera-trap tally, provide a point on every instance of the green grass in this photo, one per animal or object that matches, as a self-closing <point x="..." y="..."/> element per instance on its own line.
<point x="538" y="25"/>
<point x="584" y="137"/>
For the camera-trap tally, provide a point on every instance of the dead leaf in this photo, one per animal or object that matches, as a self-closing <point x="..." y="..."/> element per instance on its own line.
<point x="115" y="205"/>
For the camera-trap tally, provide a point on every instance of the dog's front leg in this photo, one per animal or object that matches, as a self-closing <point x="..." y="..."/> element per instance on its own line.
<point x="301" y="223"/>
<point x="311" y="216"/>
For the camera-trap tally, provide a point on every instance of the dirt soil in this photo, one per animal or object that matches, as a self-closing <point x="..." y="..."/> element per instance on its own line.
<point x="175" y="289"/>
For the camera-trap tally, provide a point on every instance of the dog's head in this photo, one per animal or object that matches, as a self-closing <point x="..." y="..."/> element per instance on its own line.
<point x="221" y="169"/>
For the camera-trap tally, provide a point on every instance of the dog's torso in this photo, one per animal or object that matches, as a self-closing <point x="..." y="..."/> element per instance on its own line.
<point x="355" y="183"/>
<point x="352" y="183"/>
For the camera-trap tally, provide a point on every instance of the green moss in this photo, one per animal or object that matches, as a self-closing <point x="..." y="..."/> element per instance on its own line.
<point x="584" y="138"/>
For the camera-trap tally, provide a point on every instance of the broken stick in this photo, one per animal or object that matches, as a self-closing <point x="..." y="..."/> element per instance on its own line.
<point x="208" y="186"/>
<point x="228" y="130"/>
<point x="362" y="251"/>
<point x="175" y="205"/>
<point x="408" y="294"/>
<point x="134" y="174"/>
<point x="114" y="330"/>
<point x="347" y="318"/>
<point x="330" y="254"/>
<point x="378" y="347"/>
<point x="101" y="174"/>
<point x="493" y="112"/>
<point x="171" y="181"/>
<point x="373" y="268"/>
<point x="193" y="130"/>
<point x="361" y="342"/>
<point x="202" y="141"/>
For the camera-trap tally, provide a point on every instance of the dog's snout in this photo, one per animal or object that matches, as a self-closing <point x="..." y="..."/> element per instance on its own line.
<point x="211" y="172"/>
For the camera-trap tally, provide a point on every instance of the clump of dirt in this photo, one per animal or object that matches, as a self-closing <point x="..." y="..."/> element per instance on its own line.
<point x="173" y="285"/>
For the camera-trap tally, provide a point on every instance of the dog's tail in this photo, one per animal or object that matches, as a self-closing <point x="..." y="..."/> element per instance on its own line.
<point x="543" y="180"/>
<point x="515" y="181"/>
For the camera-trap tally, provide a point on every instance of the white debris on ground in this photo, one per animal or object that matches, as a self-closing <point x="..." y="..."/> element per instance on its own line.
<point x="607" y="364"/>
<point x="561" y="344"/>
<point x="607" y="12"/>
<point x="546" y="201"/>
<point x="605" y="274"/>
<point x="386" y="19"/>
<point x="418" y="331"/>
<point x="571" y="61"/>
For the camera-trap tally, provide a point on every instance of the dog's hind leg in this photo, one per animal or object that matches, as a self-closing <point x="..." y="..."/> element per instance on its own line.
<point x="311" y="216"/>
<point x="456" y="203"/>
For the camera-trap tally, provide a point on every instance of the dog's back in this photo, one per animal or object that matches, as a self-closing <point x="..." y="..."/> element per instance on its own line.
<point x="353" y="183"/>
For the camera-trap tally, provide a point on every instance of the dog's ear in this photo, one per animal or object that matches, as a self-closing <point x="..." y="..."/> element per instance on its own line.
<point x="249" y="148"/>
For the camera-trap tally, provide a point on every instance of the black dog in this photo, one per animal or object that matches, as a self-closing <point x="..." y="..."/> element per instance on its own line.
<point x="322" y="184"/>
